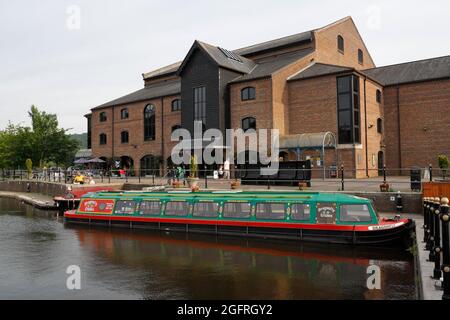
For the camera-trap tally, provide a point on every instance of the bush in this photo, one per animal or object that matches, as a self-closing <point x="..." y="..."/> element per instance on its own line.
<point x="443" y="164"/>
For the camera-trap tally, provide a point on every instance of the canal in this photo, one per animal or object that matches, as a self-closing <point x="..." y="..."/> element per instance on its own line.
<point x="36" y="248"/>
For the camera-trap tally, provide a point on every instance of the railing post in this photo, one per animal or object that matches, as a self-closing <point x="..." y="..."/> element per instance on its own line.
<point x="425" y="219"/>
<point x="342" y="178"/>
<point x="153" y="178"/>
<point x="437" y="243"/>
<point x="445" y="248"/>
<point x="430" y="167"/>
<point x="435" y="207"/>
<point x="384" y="175"/>
<point x="206" y="180"/>
<point x="140" y="173"/>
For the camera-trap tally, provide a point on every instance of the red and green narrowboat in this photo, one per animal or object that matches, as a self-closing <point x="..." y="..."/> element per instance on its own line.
<point x="321" y="217"/>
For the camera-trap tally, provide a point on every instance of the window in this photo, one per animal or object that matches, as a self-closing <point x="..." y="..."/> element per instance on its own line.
<point x="102" y="139"/>
<point x="175" y="127"/>
<point x="340" y="43"/>
<point x="248" y="123"/>
<point x="380" y="125"/>
<point x="206" y="209"/>
<point x="300" y="211"/>
<point x="177" y="208"/>
<point x="240" y="210"/>
<point x="360" y="56"/>
<point x="200" y="104"/>
<point x="176" y="105"/>
<point x="124" y="114"/>
<point x="150" y="208"/>
<point x="348" y="109"/>
<point x="355" y="213"/>
<point x="248" y="93"/>
<point x="103" y="117"/>
<point x="149" y="122"/>
<point x="378" y="96"/>
<point x="124" y="137"/>
<point x="270" y="211"/>
<point x="125" y="207"/>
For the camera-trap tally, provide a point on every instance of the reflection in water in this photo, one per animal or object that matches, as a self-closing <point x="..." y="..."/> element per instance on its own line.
<point x="134" y="264"/>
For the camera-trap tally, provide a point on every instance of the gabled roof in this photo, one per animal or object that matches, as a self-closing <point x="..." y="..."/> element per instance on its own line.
<point x="218" y="56"/>
<point x="149" y="92"/>
<point x="422" y="70"/>
<point x="167" y="70"/>
<point x="319" y="69"/>
<point x="267" y="68"/>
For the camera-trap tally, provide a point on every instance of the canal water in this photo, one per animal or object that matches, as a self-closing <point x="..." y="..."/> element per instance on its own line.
<point x="36" y="248"/>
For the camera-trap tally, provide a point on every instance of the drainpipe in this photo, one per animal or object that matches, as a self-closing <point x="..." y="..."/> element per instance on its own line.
<point x="366" y="128"/>
<point x="112" y="132"/>
<point x="162" y="138"/>
<point x="399" y="131"/>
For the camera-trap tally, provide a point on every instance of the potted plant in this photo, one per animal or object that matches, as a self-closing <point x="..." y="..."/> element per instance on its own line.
<point x="443" y="164"/>
<point x="235" y="184"/>
<point x="384" y="187"/>
<point x="193" y="173"/>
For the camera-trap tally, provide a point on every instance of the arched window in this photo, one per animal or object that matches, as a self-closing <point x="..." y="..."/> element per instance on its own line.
<point x="149" y="122"/>
<point x="124" y="113"/>
<point x="176" y="105"/>
<point x="103" y="117"/>
<point x="176" y="127"/>
<point x="248" y="93"/>
<point x="380" y="125"/>
<point x="103" y="139"/>
<point x="340" y="43"/>
<point x="248" y="123"/>
<point x="124" y="137"/>
<point x="378" y="96"/>
<point x="360" y="56"/>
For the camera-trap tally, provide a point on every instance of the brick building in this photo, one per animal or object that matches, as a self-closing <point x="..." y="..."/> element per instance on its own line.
<point x="315" y="82"/>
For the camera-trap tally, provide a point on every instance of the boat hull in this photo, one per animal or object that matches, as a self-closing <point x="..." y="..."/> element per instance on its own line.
<point x="353" y="235"/>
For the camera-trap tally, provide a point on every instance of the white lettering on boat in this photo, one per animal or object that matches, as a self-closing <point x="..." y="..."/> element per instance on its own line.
<point x="386" y="226"/>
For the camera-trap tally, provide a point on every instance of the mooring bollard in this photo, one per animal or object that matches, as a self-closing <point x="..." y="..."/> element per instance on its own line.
<point x="430" y="168"/>
<point x="425" y="219"/>
<point x="433" y="227"/>
<point x="445" y="248"/>
<point x="399" y="202"/>
<point x="342" y="178"/>
<point x="430" y="238"/>
<point x="437" y="243"/>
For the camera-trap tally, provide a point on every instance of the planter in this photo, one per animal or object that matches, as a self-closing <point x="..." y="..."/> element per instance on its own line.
<point x="192" y="182"/>
<point x="384" y="187"/>
<point x="235" y="184"/>
<point x="302" y="185"/>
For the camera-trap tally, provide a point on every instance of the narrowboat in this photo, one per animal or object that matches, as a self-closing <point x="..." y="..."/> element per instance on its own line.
<point x="322" y="217"/>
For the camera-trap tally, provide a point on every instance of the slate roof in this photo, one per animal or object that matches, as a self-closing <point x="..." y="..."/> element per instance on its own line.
<point x="422" y="70"/>
<point x="150" y="92"/>
<point x="319" y="69"/>
<point x="267" y="68"/>
<point x="245" y="66"/>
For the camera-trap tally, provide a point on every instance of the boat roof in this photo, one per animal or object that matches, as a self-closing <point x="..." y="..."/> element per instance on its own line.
<point x="231" y="195"/>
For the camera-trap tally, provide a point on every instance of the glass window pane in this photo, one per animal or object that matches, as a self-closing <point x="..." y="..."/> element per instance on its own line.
<point x="206" y="209"/>
<point x="177" y="208"/>
<point x="345" y="119"/>
<point x="355" y="213"/>
<point x="270" y="211"/>
<point x="240" y="210"/>
<point x="345" y="135"/>
<point x="125" y="207"/>
<point x="343" y="84"/>
<point x="151" y="208"/>
<point x="355" y="84"/>
<point x="300" y="211"/>
<point x="344" y="102"/>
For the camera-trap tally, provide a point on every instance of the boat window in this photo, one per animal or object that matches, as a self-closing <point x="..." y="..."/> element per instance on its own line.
<point x="237" y="210"/>
<point x="270" y="211"/>
<point x="355" y="213"/>
<point x="177" y="208"/>
<point x="125" y="207"/>
<point x="300" y="211"/>
<point x="152" y="208"/>
<point x="206" y="209"/>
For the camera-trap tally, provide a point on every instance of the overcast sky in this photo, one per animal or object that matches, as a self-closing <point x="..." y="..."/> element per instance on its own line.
<point x="66" y="65"/>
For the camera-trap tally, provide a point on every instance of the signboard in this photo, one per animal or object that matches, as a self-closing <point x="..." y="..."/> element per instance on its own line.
<point x="326" y="213"/>
<point x="96" y="206"/>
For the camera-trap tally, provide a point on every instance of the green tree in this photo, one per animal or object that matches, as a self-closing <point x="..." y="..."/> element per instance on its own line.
<point x="443" y="164"/>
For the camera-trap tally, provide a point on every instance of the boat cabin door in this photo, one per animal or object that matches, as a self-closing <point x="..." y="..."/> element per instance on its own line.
<point x="326" y="213"/>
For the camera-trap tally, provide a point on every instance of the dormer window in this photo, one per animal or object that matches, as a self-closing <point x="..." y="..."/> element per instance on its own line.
<point x="248" y="93"/>
<point x="340" y="43"/>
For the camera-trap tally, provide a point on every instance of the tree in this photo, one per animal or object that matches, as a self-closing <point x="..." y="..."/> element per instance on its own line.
<point x="443" y="164"/>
